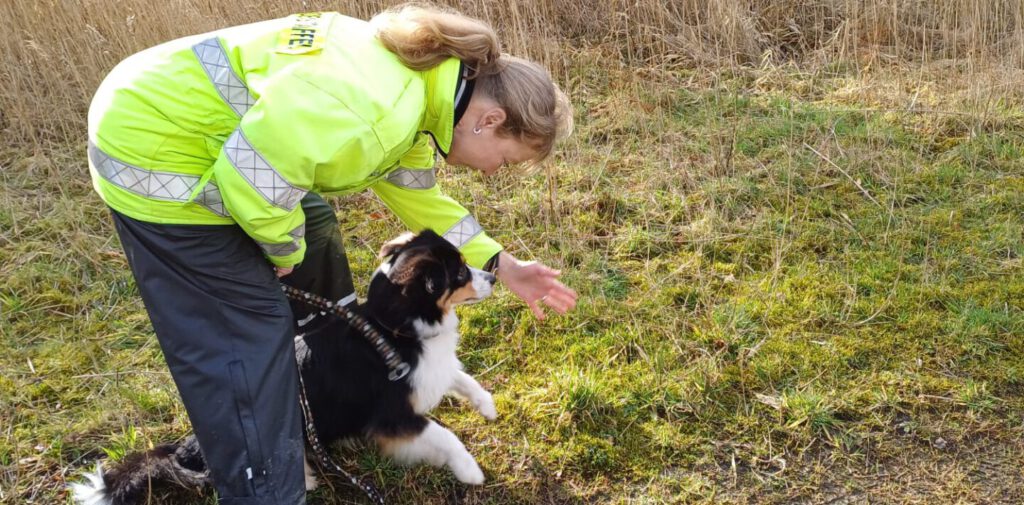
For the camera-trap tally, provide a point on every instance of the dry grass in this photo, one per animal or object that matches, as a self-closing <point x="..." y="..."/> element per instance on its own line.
<point x="56" y="52"/>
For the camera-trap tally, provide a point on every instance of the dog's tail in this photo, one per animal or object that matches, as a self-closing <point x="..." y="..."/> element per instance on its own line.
<point x="131" y="480"/>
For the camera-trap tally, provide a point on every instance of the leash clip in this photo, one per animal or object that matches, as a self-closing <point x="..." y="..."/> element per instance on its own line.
<point x="399" y="372"/>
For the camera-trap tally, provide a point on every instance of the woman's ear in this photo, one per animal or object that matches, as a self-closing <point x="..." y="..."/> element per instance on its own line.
<point x="492" y="118"/>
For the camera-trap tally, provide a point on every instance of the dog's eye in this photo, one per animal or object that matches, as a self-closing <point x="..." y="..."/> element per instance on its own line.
<point x="463" y="274"/>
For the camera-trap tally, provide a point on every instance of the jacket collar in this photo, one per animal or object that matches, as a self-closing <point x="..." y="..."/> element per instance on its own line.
<point x="439" y="117"/>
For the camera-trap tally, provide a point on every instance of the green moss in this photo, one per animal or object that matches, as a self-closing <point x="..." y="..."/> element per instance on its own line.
<point x="856" y="265"/>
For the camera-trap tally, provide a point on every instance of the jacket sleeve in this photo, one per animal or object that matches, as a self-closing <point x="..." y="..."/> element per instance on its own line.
<point x="268" y="164"/>
<point x="413" y="195"/>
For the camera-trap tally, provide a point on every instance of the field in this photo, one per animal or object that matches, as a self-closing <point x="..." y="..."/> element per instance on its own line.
<point x="799" y="255"/>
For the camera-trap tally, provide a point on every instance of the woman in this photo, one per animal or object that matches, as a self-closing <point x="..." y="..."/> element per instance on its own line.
<point x="211" y="150"/>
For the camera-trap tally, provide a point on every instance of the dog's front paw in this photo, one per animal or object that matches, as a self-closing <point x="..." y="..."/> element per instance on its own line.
<point x="485" y="406"/>
<point x="467" y="471"/>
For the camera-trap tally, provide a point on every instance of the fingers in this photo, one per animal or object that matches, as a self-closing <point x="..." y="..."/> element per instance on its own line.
<point x="566" y="292"/>
<point x="537" y="312"/>
<point x="560" y="302"/>
<point x="559" y="297"/>
<point x="546" y="290"/>
<point x="545" y="270"/>
<point x="551" y="278"/>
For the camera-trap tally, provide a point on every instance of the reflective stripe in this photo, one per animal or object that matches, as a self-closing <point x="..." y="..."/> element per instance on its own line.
<point x="463" y="231"/>
<point x="344" y="301"/>
<point x="461" y="90"/>
<point x="286" y="248"/>
<point x="148" y="183"/>
<point x="347" y="299"/>
<point x="306" y="320"/>
<point x="210" y="198"/>
<point x="218" y="69"/>
<point x="412" y="178"/>
<point x="153" y="183"/>
<point x="279" y="249"/>
<point x="261" y="176"/>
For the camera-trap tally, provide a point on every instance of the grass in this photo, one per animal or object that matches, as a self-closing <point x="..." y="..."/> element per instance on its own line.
<point x="796" y="286"/>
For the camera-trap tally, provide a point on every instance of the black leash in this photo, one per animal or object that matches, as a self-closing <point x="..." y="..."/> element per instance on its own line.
<point x="398" y="370"/>
<point x="326" y="461"/>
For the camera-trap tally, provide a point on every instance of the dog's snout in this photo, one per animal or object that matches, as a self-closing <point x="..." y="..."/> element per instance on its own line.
<point x="483" y="283"/>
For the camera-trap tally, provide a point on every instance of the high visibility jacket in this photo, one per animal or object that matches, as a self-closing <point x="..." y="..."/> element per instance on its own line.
<point x="237" y="125"/>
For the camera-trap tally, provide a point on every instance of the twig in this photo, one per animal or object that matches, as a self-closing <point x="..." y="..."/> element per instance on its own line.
<point x="492" y="367"/>
<point x="933" y="397"/>
<point x="111" y="374"/>
<point x="844" y="172"/>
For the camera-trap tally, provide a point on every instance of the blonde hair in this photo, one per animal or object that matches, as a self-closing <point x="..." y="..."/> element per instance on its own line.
<point x="424" y="36"/>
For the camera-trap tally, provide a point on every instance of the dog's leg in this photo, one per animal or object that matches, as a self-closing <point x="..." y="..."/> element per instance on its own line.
<point x="467" y="387"/>
<point x="435" y="446"/>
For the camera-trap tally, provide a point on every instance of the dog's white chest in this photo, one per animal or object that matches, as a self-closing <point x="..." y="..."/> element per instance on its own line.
<point x="438" y="366"/>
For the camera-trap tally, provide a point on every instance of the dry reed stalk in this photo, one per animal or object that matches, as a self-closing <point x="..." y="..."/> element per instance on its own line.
<point x="57" y="51"/>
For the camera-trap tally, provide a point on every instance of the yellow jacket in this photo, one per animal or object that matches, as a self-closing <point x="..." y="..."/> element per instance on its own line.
<point x="236" y="126"/>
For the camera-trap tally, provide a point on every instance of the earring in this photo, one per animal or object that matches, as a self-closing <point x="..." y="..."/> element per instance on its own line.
<point x="477" y="130"/>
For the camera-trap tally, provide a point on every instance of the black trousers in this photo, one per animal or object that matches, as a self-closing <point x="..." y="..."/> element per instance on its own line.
<point x="226" y="331"/>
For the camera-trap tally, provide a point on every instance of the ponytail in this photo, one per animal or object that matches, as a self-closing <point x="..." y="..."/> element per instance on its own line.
<point x="424" y="37"/>
<point x="537" y="112"/>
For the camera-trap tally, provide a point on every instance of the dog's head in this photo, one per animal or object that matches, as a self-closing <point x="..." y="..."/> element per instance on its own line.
<point x="426" y="274"/>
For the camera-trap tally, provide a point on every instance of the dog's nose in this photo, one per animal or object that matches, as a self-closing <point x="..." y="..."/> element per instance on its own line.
<point x="490" y="278"/>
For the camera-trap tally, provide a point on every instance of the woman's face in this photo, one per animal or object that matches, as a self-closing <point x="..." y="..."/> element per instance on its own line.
<point x="476" y="143"/>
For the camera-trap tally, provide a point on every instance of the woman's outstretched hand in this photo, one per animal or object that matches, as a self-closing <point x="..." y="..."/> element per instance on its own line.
<point x="535" y="283"/>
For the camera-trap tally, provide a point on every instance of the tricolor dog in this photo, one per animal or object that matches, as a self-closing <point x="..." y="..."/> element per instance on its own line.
<point x="411" y="302"/>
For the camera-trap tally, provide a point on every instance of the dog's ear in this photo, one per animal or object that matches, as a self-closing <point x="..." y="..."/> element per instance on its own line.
<point x="411" y="263"/>
<point x="395" y="244"/>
